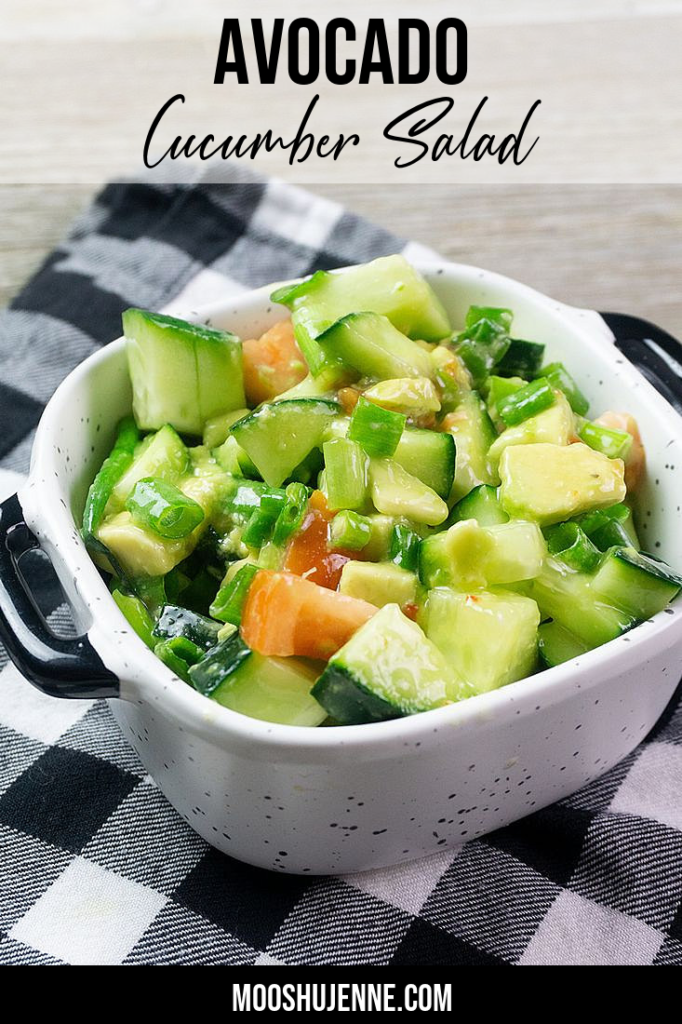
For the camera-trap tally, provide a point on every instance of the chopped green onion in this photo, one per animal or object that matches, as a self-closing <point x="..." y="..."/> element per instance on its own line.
<point x="230" y="599"/>
<point x="489" y="321"/>
<point x="592" y="521"/>
<point x="500" y="388"/>
<point x="263" y="519"/>
<point x="247" y="496"/>
<point x="572" y="545"/>
<point x="404" y="547"/>
<point x="484" y="340"/>
<point x="350" y="531"/>
<point x="559" y="377"/>
<point x="292" y="514"/>
<point x="163" y="508"/>
<point x="615" y="444"/>
<point x="345" y="474"/>
<point x="528" y="401"/>
<point x="137" y="615"/>
<point x="377" y="430"/>
<point x="522" y="359"/>
<point x="611" y="535"/>
<point x="179" y="654"/>
<point x="113" y="468"/>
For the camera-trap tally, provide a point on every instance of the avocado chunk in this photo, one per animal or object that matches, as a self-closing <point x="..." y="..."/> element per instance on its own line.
<point x="140" y="552"/>
<point x="549" y="483"/>
<point x="379" y="583"/>
<point x="395" y="492"/>
<point x="489" y="640"/>
<point x="162" y="455"/>
<point x="555" y="425"/>
<point x="413" y="396"/>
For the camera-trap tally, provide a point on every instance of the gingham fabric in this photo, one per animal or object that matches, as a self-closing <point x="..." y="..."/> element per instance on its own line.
<point x="96" y="867"/>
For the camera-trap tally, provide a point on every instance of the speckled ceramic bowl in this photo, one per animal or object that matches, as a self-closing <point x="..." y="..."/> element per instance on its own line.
<point x="347" y="799"/>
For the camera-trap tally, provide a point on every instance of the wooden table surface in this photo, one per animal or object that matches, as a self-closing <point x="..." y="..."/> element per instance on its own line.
<point x="604" y="246"/>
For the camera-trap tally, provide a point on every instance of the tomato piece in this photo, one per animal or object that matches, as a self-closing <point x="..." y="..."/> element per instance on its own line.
<point x="309" y="555"/>
<point x="272" y="363"/>
<point x="286" y="615"/>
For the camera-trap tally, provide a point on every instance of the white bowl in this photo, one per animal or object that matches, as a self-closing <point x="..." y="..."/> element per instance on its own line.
<point x="337" y="800"/>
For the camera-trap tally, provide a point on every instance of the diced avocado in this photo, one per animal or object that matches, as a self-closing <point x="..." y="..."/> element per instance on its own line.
<point x="140" y="552"/>
<point x="183" y="374"/>
<point x="217" y="428"/>
<point x="381" y="527"/>
<point x="386" y="670"/>
<point x="430" y="456"/>
<point x="413" y="396"/>
<point x="556" y="644"/>
<point x="278" y="437"/>
<point x="389" y="286"/>
<point x="639" y="584"/>
<point x="233" y="459"/>
<point x="471" y="557"/>
<point x="162" y="455"/>
<point x="569" y="598"/>
<point x="370" y="344"/>
<point x="379" y="583"/>
<point x="481" y="504"/>
<point x="488" y="639"/>
<point x="473" y="431"/>
<point x="549" y="483"/>
<point x="555" y="425"/>
<point x="396" y="492"/>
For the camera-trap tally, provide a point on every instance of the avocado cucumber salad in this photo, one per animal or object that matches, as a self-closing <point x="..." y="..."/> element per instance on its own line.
<point x="368" y="511"/>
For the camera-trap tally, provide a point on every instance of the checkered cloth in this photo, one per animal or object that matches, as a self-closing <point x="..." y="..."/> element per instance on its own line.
<point x="96" y="867"/>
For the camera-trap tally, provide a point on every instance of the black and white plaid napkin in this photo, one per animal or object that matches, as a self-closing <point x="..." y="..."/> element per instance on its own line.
<point x="96" y="867"/>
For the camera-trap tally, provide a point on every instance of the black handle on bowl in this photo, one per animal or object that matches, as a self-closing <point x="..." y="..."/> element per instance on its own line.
<point x="655" y="353"/>
<point x="57" y="666"/>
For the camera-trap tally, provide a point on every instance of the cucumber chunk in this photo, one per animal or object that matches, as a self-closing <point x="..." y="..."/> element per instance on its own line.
<point x="389" y="286"/>
<point x="556" y="644"/>
<point x="277" y="438"/>
<point x="388" y="669"/>
<point x="488" y="639"/>
<point x="473" y="431"/>
<point x="637" y="583"/>
<point x="569" y="598"/>
<point x="481" y="504"/>
<point x="549" y="483"/>
<point x="183" y="374"/>
<point x="468" y="556"/>
<point x="430" y="456"/>
<point x="395" y="492"/>
<point x="370" y="344"/>
<point x="176" y="621"/>
<point x="380" y="584"/>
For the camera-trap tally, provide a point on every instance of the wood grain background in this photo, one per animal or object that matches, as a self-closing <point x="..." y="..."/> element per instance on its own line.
<point x="605" y="246"/>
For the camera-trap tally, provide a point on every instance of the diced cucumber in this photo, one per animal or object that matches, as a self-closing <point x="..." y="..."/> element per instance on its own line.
<point x="217" y="429"/>
<point x="481" y="504"/>
<point x="637" y="583"/>
<point x="370" y="344"/>
<point x="412" y="396"/>
<point x="278" y="437"/>
<point x="473" y="431"/>
<point x="176" y="621"/>
<point x="137" y="615"/>
<point x="183" y="374"/>
<point x="162" y="455"/>
<point x="556" y="644"/>
<point x="395" y="492"/>
<point x="430" y="456"/>
<point x="386" y="670"/>
<point x="388" y="286"/>
<point x="271" y="689"/>
<point x="549" y="483"/>
<point x="379" y="583"/>
<point x="522" y="359"/>
<point x="555" y="425"/>
<point x="470" y="557"/>
<point x="488" y="639"/>
<point x="569" y="599"/>
<point x="233" y="459"/>
<point x="380" y="529"/>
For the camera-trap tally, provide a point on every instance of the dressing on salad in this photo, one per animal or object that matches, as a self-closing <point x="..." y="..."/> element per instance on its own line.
<point x="363" y="514"/>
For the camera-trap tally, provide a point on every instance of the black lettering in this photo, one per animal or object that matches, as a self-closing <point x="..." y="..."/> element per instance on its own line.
<point x="267" y="60"/>
<point x="152" y="129"/>
<point x="418" y="127"/>
<point x="231" y="32"/>
<point x="330" y="43"/>
<point x="442" y="51"/>
<point x="295" y="73"/>
<point x="405" y="27"/>
<point x="376" y="34"/>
